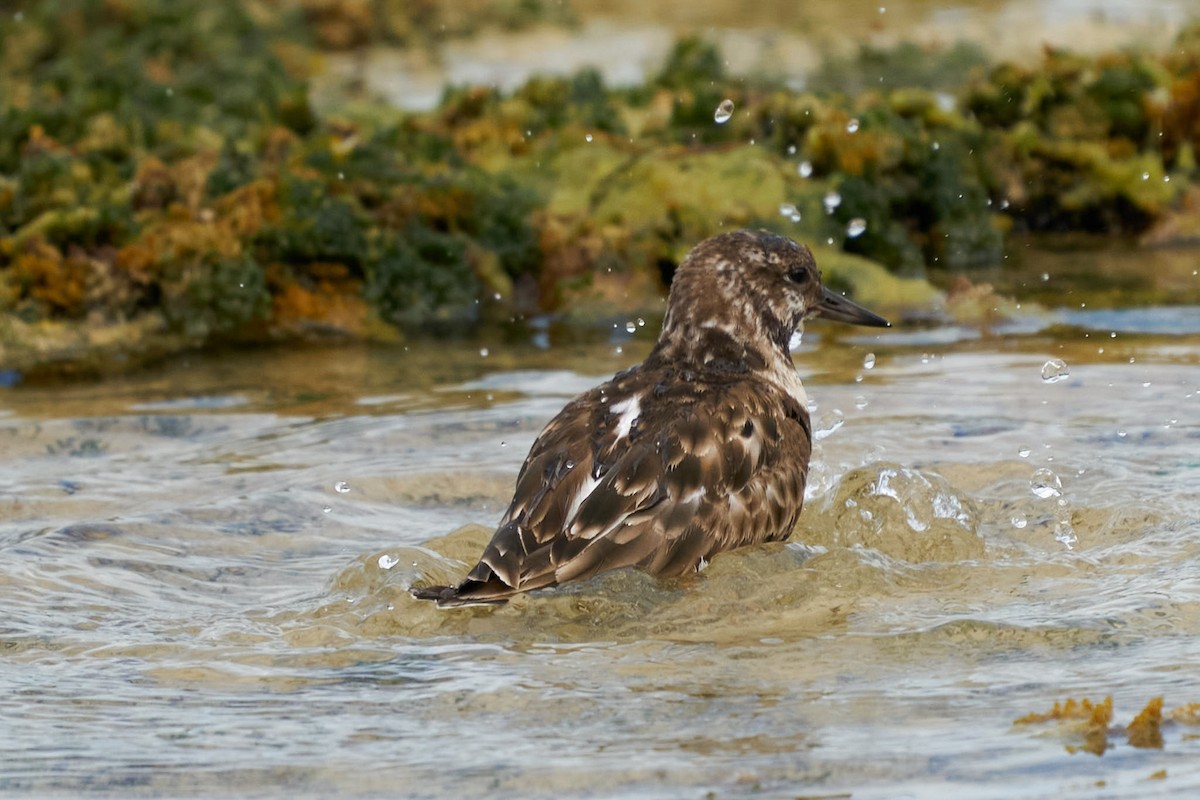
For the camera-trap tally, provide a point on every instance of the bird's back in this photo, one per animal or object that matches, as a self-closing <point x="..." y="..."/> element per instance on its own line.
<point x="661" y="467"/>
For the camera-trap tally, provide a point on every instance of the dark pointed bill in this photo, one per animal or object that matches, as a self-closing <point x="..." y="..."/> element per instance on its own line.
<point x="836" y="307"/>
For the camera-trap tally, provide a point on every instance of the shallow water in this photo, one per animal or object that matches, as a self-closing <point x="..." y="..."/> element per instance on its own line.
<point x="194" y="608"/>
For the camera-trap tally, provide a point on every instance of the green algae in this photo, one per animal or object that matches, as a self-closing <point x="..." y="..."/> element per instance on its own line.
<point x="167" y="166"/>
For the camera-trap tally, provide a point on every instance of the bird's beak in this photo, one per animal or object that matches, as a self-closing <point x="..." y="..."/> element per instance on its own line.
<point x="836" y="307"/>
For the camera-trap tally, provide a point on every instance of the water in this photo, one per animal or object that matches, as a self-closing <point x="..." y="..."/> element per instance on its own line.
<point x="193" y="606"/>
<point x="724" y="112"/>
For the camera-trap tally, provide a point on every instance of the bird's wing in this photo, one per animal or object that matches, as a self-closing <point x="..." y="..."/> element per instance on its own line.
<point x="658" y="480"/>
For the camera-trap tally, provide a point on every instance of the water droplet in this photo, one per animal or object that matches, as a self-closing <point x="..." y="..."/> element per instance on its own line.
<point x="326" y="509"/>
<point x="341" y="487"/>
<point x="1024" y="452"/>
<point x="724" y="112"/>
<point x="789" y="211"/>
<point x="1122" y="434"/>
<point x="856" y="227"/>
<point x="860" y="402"/>
<point x="387" y="562"/>
<point x="1145" y="176"/>
<point x="1147" y="385"/>
<point x="483" y="352"/>
<point x="804" y="169"/>
<point x="1055" y="370"/>
<point x="832" y="201"/>
<point x="869" y="361"/>
<point x="791" y="150"/>
<point x="852" y="126"/>
<point x="641" y="322"/>
<point x="1019" y="521"/>
<point x="936" y="146"/>
<point x="630" y="327"/>
<point x="619" y="350"/>
<point x="1045" y="484"/>
<point x="1064" y="532"/>
<point x="587" y="138"/>
<point x="829" y="422"/>
<point x="1045" y="277"/>
<point x="341" y="176"/>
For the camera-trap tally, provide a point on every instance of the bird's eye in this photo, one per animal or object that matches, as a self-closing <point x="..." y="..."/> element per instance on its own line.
<point x="798" y="275"/>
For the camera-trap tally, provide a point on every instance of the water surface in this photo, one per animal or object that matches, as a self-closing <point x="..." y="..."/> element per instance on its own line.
<point x="193" y="607"/>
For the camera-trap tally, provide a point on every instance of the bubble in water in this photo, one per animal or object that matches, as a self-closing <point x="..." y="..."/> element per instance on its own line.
<point x="724" y="112"/>
<point x="1023" y="452"/>
<point x="630" y="327"/>
<point x="1055" y="370"/>
<point x="483" y="352"/>
<point x="1019" y="521"/>
<point x="804" y="169"/>
<point x="341" y="487"/>
<point x="387" y="561"/>
<point x="856" y="227"/>
<point x="860" y="402"/>
<point x="869" y="361"/>
<point x="829" y="422"/>
<point x="852" y="126"/>
<point x="1045" y="484"/>
<point x="789" y="211"/>
<point x="832" y="201"/>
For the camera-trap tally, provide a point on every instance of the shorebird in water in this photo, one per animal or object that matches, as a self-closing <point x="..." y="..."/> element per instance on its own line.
<point x="701" y="448"/>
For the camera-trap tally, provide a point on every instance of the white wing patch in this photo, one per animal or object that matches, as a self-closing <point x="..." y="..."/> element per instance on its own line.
<point x="629" y="409"/>
<point x="589" y="486"/>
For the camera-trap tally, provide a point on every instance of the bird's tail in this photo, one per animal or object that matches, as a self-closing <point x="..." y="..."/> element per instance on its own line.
<point x="467" y="593"/>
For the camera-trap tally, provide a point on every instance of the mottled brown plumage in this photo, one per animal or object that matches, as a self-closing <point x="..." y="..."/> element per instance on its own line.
<point x="702" y="448"/>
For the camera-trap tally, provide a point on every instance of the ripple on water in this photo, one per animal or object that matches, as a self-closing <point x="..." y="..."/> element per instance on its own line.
<point x="902" y="512"/>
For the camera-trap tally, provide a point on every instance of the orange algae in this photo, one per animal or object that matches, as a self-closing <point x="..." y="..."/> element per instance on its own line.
<point x="1188" y="714"/>
<point x="1073" y="709"/>
<point x="1092" y="719"/>
<point x="1146" y="728"/>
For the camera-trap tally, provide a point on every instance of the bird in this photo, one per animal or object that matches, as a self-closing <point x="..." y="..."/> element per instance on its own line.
<point x="701" y="448"/>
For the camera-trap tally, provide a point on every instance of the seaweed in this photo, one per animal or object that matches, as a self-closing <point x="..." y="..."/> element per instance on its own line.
<point x="161" y="165"/>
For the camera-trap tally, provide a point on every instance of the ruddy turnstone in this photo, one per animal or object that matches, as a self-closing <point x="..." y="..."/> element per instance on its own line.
<point x="701" y="448"/>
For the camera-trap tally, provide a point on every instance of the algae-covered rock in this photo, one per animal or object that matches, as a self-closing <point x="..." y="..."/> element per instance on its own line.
<point x="159" y="159"/>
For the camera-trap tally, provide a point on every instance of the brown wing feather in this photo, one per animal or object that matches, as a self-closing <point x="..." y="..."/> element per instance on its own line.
<point x="707" y="466"/>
